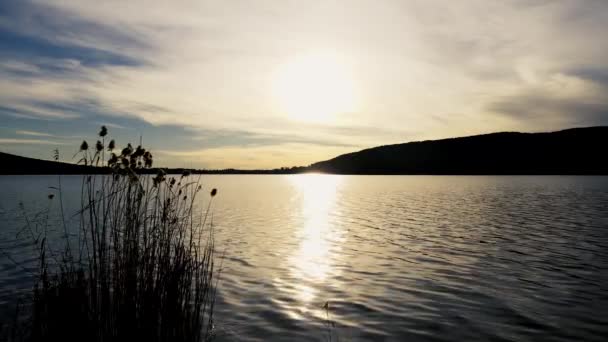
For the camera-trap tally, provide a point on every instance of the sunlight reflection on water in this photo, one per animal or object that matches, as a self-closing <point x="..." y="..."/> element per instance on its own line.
<point x="319" y="241"/>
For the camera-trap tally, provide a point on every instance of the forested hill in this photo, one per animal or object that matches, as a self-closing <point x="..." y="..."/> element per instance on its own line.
<point x="571" y="151"/>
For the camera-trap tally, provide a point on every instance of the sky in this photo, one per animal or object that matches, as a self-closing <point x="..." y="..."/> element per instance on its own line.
<point x="266" y="84"/>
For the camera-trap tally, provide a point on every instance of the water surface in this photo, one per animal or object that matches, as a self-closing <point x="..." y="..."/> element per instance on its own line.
<point x="417" y="258"/>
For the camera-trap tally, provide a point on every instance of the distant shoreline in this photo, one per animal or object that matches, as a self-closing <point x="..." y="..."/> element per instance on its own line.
<point x="270" y="173"/>
<point x="576" y="151"/>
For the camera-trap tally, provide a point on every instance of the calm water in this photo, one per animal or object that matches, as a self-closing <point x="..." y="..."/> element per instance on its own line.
<point x="399" y="258"/>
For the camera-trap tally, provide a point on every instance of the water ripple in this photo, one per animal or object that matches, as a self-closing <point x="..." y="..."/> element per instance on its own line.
<point x="397" y="258"/>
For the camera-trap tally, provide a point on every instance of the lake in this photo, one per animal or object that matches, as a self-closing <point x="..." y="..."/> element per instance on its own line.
<point x="398" y="258"/>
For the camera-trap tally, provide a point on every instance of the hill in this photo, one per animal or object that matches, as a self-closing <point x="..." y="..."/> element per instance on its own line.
<point x="571" y="151"/>
<point x="17" y="165"/>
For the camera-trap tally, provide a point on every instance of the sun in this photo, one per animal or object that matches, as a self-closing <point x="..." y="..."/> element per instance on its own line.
<point x="315" y="88"/>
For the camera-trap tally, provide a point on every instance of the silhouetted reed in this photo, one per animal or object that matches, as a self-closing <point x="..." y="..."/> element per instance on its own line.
<point x="140" y="267"/>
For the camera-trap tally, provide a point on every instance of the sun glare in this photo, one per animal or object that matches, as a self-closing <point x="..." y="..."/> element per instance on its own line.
<point x="315" y="88"/>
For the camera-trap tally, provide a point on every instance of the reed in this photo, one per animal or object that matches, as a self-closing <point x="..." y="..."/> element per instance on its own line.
<point x="140" y="265"/>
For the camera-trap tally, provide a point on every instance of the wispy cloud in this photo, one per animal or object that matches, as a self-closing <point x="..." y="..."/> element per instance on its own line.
<point x="36" y="111"/>
<point x="30" y="141"/>
<point x="33" y="133"/>
<point x="107" y="124"/>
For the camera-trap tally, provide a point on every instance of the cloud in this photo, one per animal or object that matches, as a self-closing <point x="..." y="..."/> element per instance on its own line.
<point x="574" y="98"/>
<point x="112" y="125"/>
<point x="35" y="134"/>
<point x="18" y="67"/>
<point x="39" y="28"/>
<point x="19" y="46"/>
<point x="550" y="112"/>
<point x="36" y="111"/>
<point x="30" y="141"/>
<point x="598" y="75"/>
<point x="253" y="139"/>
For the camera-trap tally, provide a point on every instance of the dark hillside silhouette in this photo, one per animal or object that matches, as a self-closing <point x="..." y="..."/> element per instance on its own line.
<point x="11" y="164"/>
<point x="571" y="151"/>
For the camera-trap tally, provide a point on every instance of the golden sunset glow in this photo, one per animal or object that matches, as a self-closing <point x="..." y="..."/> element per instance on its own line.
<point x="314" y="88"/>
